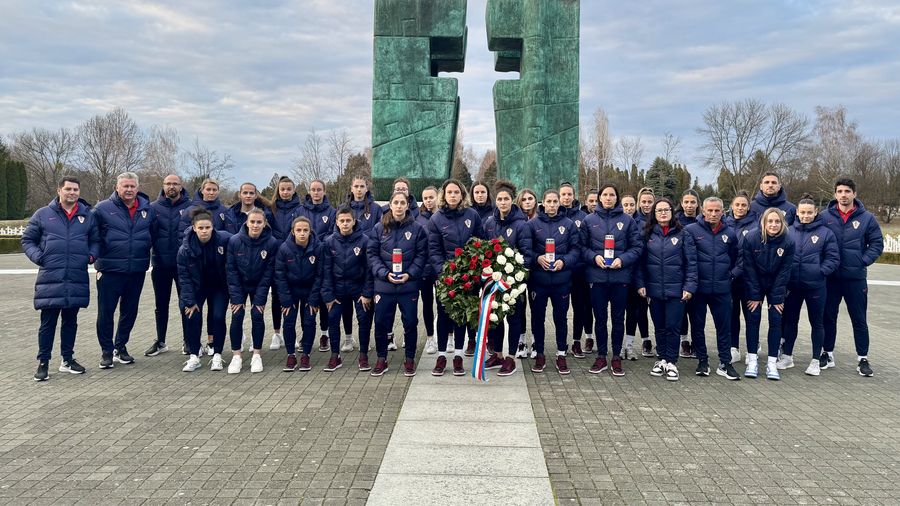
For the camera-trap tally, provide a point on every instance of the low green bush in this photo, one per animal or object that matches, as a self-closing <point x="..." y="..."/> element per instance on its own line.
<point x="889" y="258"/>
<point x="10" y="244"/>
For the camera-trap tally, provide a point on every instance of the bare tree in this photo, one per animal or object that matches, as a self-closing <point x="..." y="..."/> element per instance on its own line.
<point x="311" y="163"/>
<point x="735" y="131"/>
<point x="490" y="156"/>
<point x="889" y="191"/>
<point x="671" y="144"/>
<point x="110" y="144"/>
<point x="47" y="156"/>
<point x="161" y="151"/>
<point x="629" y="152"/>
<point x="339" y="150"/>
<point x="199" y="163"/>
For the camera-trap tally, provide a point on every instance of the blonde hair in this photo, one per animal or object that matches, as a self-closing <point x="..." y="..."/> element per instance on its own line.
<point x="762" y="223"/>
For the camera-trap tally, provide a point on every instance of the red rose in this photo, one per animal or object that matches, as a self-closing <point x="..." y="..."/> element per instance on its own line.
<point x="451" y="293"/>
<point x="495" y="241"/>
<point x="467" y="286"/>
<point x="472" y="264"/>
<point x="458" y="251"/>
<point x="497" y="247"/>
<point x="488" y="254"/>
<point x="477" y="244"/>
<point x="465" y="277"/>
<point x="485" y="264"/>
<point x="448" y="280"/>
<point x="452" y="266"/>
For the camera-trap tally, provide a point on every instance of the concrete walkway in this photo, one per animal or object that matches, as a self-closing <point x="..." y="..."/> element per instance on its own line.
<point x="458" y="441"/>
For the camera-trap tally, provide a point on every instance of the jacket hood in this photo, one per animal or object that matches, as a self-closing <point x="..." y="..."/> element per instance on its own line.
<point x="773" y="201"/>
<point x="316" y="208"/>
<point x="83" y="206"/>
<point x="288" y="205"/>
<point x="515" y="214"/>
<point x="543" y="216"/>
<point x="609" y="213"/>
<point x="142" y="199"/>
<point x="860" y="208"/>
<point x="163" y="200"/>
<point x="817" y="222"/>
<point x="313" y="242"/>
<point x="353" y="237"/>
<point x="198" y="201"/>
<point x="263" y="237"/>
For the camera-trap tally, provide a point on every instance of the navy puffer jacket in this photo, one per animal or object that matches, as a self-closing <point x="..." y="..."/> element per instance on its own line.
<point x="577" y="215"/>
<point x="251" y="266"/>
<point x="201" y="267"/>
<point x="859" y="240"/>
<point x="484" y="210"/>
<point x="767" y="266"/>
<point x="167" y="236"/>
<point x="409" y="237"/>
<point x="413" y="207"/>
<point x="422" y="219"/>
<point x="816" y="254"/>
<point x="760" y="203"/>
<point x="365" y="220"/>
<point x="717" y="256"/>
<point x="285" y="212"/>
<point x="221" y="218"/>
<point x="568" y="248"/>
<point x="628" y="244"/>
<point x="321" y="215"/>
<point x="125" y="242"/>
<point x="743" y="226"/>
<point x="450" y="229"/>
<point x="668" y="265"/>
<point x="513" y="229"/>
<point x="684" y="219"/>
<point x="345" y="269"/>
<point x="238" y="217"/>
<point x="62" y="248"/>
<point x="298" y="272"/>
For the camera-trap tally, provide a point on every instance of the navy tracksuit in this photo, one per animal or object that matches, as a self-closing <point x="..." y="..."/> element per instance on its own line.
<point x="281" y="218"/>
<point x="553" y="286"/>
<point x="298" y="278"/>
<point x="237" y="218"/>
<point x="250" y="268"/>
<point x="346" y="278"/>
<point x="609" y="287"/>
<point x="685" y="221"/>
<point x="322" y="217"/>
<point x="816" y="258"/>
<point x="412" y="240"/>
<point x="222" y="218"/>
<point x="767" y="269"/>
<point x="62" y="247"/>
<point x="484" y="211"/>
<point x="760" y="203"/>
<point x="202" y="275"/>
<point x="582" y="312"/>
<point x="413" y="207"/>
<point x="860" y="243"/>
<point x="668" y="267"/>
<point x="167" y="239"/>
<point x="426" y="287"/>
<point x="450" y="229"/>
<point x="514" y="230"/>
<point x="741" y="227"/>
<point x="717" y="254"/>
<point x="125" y="243"/>
<point x="636" y="307"/>
<point x="366" y="211"/>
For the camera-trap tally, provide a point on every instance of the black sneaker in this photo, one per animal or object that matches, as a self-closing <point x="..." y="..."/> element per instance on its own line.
<point x="43" y="371"/>
<point x="155" y="349"/>
<point x="728" y="372"/>
<point x="121" y="356"/>
<point x="702" y="368"/>
<point x="106" y="361"/>
<point x="185" y="350"/>
<point x="823" y="360"/>
<point x="864" y="369"/>
<point x="71" y="366"/>
<point x="647" y="348"/>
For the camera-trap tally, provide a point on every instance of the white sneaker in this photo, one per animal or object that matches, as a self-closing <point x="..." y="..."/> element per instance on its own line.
<point x="671" y="372"/>
<point x="814" y="368"/>
<point x="256" y="363"/>
<point x="391" y="345"/>
<point x="192" y="364"/>
<point x="522" y="350"/>
<point x="659" y="368"/>
<point x="347" y="344"/>
<point x="234" y="367"/>
<point x="772" y="371"/>
<point x="752" y="369"/>
<point x="431" y="345"/>
<point x="735" y="355"/>
<point x="210" y="351"/>
<point x="276" y="341"/>
<point x="216" y="363"/>
<point x="629" y="352"/>
<point x="533" y="352"/>
<point x="785" y="362"/>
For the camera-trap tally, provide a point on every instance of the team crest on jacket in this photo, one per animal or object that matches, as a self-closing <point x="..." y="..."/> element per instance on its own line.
<point x="99" y="275"/>
<point x="779" y="251"/>
<point x="368" y="215"/>
<point x="744" y="233"/>
<point x="144" y="216"/>
<point x="674" y="241"/>
<point x="312" y="260"/>
<point x="509" y="232"/>
<point x="562" y="229"/>
<point x="814" y="239"/>
<point x="220" y="250"/>
<point x="620" y="225"/>
<point x="263" y="254"/>
<point x="356" y="251"/>
<point x="377" y="298"/>
<point x="725" y="238"/>
<point x="468" y="223"/>
<point x="578" y="223"/>
<point x="855" y="224"/>
<point x="408" y="235"/>
<point x="81" y="219"/>
<point x="181" y="212"/>
<point x="324" y="219"/>
<point x="222" y="216"/>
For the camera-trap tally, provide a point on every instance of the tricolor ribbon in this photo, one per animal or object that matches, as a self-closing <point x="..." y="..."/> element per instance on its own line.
<point x="484" y="323"/>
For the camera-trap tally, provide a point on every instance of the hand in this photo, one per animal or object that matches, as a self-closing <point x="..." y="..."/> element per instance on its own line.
<point x="328" y="305"/>
<point x="601" y="263"/>
<point x="558" y="265"/>
<point x="753" y="304"/>
<point x="642" y="292"/>
<point x="779" y="308"/>
<point x="616" y="264"/>
<point x="366" y="302"/>
<point x="189" y="311"/>
<point x="542" y="261"/>
<point x="313" y="310"/>
<point x="236" y="307"/>
<point x="286" y="310"/>
<point x="685" y="296"/>
<point x="261" y="309"/>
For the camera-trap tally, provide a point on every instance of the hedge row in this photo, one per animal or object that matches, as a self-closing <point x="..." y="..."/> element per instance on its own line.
<point x="10" y="244"/>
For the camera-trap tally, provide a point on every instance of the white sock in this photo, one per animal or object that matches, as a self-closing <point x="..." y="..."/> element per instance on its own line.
<point x="429" y="337"/>
<point x="684" y="339"/>
<point x="588" y="336"/>
<point x="645" y="339"/>
<point x="772" y="360"/>
<point x="752" y="357"/>
<point x="560" y="354"/>
<point x="830" y="354"/>
<point x="442" y="354"/>
<point x="862" y="357"/>
<point x="787" y="357"/>
<point x="457" y="353"/>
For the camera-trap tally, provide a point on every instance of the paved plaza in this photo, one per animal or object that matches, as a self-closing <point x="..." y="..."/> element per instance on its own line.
<point x="151" y="434"/>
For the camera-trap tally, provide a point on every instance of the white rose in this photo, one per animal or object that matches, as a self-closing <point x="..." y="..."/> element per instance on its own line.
<point x="494" y="317"/>
<point x="501" y="260"/>
<point x="509" y="269"/>
<point x="510" y="281"/>
<point x="520" y="276"/>
<point x="509" y="252"/>
<point x="519" y="258"/>
<point x="496" y="276"/>
<point x="494" y="305"/>
<point x="487" y="271"/>
<point x="505" y="307"/>
<point x="516" y="292"/>
<point x="507" y="297"/>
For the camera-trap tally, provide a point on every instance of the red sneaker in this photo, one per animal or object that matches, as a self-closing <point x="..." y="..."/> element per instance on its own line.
<point x="509" y="367"/>
<point x="617" y="366"/>
<point x="334" y="364"/>
<point x="599" y="366"/>
<point x="304" y="363"/>
<point x="458" y="367"/>
<point x="576" y="350"/>
<point x="439" y="366"/>
<point x="364" y="363"/>
<point x="470" y="348"/>
<point x="589" y="345"/>
<point x="381" y="367"/>
<point x="539" y="363"/>
<point x="291" y="364"/>
<point x="561" y="365"/>
<point x="493" y="362"/>
<point x="409" y="368"/>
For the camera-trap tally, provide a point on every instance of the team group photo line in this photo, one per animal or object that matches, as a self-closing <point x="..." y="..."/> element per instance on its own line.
<point x="472" y="263"/>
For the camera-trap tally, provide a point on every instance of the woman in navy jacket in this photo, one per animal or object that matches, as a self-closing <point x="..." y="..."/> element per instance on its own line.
<point x="429" y="205"/>
<point x="552" y="281"/>
<point x="397" y="288"/>
<point x="636" y="303"/>
<point x="450" y="228"/>
<point x="742" y="220"/>
<point x="528" y="204"/>
<point x="298" y="269"/>
<point x="687" y="215"/>
<point x="318" y="210"/>
<point x="816" y="257"/>
<point x="768" y="255"/>
<point x="365" y="211"/>
<point x="582" y="310"/>
<point x="507" y="222"/>
<point x="250" y="268"/>
<point x="609" y="276"/>
<point x="636" y="306"/>
<point x="667" y="278"/>
<point x="347" y="285"/>
<point x="481" y="200"/>
<point x="284" y="209"/>
<point x="202" y="274"/>
<point x="62" y="239"/>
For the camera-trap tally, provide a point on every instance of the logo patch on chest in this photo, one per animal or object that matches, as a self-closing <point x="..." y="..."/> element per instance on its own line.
<point x="779" y="251"/>
<point x="144" y="214"/>
<point x="356" y="251"/>
<point x="81" y="219"/>
<point x="620" y="225"/>
<point x="855" y="224"/>
<point x="725" y="239"/>
<point x="814" y="239"/>
<point x="408" y="235"/>
<point x="578" y="223"/>
<point x="324" y="219"/>
<point x="367" y="215"/>
<point x="468" y="223"/>
<point x="744" y="233"/>
<point x="222" y="216"/>
<point x="562" y="229"/>
<point x="263" y="254"/>
<point x="312" y="260"/>
<point x="220" y="250"/>
<point x="509" y="232"/>
<point x="674" y="241"/>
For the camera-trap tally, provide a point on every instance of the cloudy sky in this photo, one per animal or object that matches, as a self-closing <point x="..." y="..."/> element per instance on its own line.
<point x="252" y="78"/>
